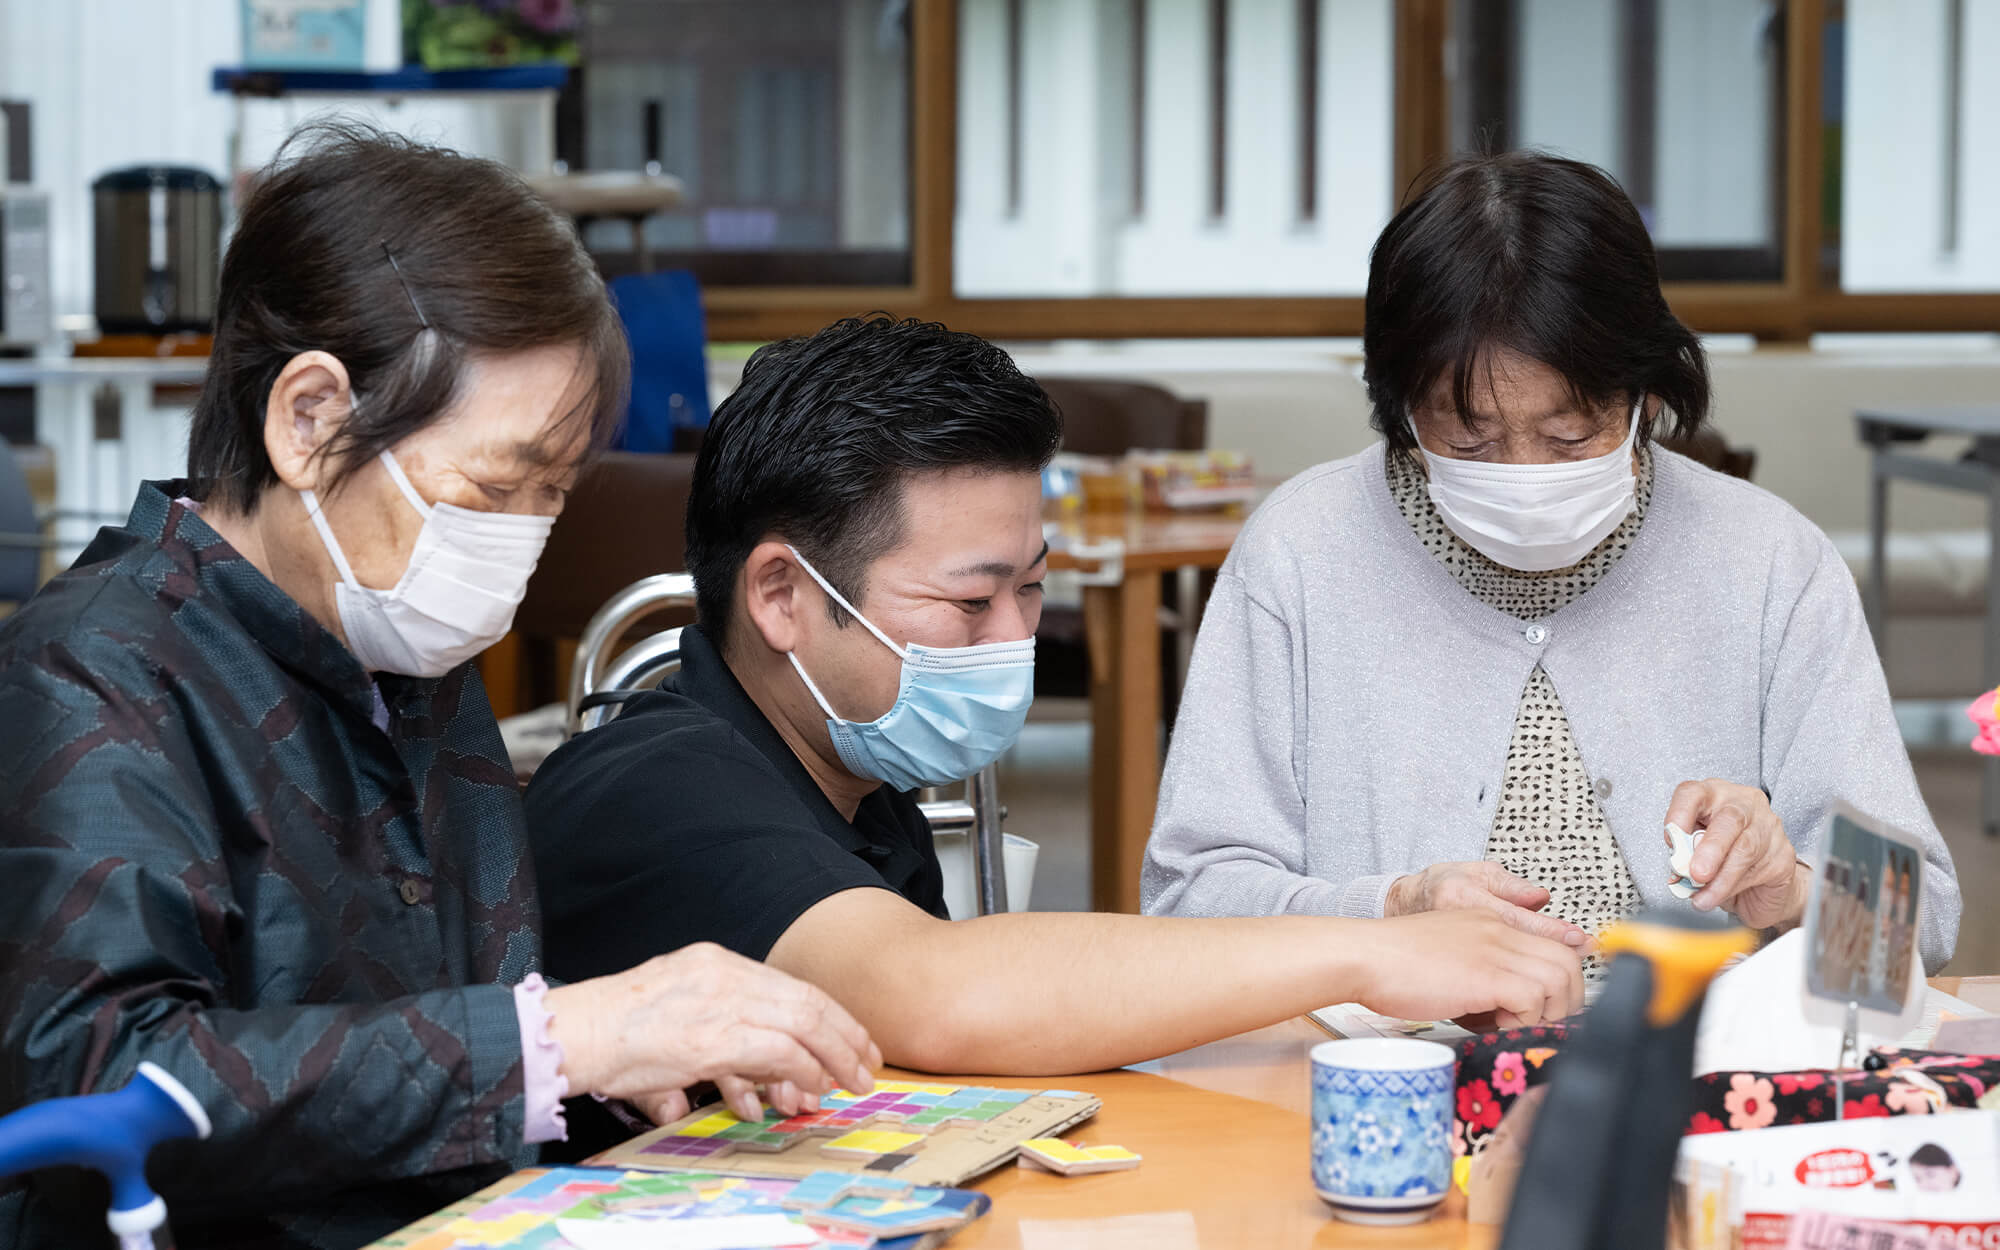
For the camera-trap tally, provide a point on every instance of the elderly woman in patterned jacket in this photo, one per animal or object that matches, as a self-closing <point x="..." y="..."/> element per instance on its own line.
<point x="1488" y="661"/>
<point x="256" y="822"/>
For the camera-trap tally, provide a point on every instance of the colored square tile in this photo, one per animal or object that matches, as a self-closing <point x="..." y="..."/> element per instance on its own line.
<point x="689" y="1147"/>
<point x="768" y="1143"/>
<point x="872" y="1142"/>
<point x="708" y="1126"/>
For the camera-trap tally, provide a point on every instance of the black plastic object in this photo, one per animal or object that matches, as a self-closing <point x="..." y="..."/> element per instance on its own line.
<point x="158" y="249"/>
<point x="1600" y="1163"/>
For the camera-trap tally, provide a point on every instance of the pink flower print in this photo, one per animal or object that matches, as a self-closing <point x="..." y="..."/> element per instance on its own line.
<point x="1792" y="1082"/>
<point x="1510" y="1075"/>
<point x="1749" y="1102"/>
<point x="1476" y="1106"/>
<point x="1865" y="1108"/>
<point x="1457" y="1138"/>
<point x="1907" y="1099"/>
<point x="1703" y="1122"/>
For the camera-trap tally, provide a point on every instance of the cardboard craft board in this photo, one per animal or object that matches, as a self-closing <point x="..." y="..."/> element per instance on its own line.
<point x="580" y="1208"/>
<point x="928" y="1133"/>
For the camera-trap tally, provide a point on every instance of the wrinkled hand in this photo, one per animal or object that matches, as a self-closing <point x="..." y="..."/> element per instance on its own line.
<point x="1746" y="864"/>
<point x="1484" y="886"/>
<point x="705" y="1014"/>
<point x="1441" y="965"/>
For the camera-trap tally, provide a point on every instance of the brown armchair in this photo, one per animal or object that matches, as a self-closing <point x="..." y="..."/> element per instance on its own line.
<point x="626" y="519"/>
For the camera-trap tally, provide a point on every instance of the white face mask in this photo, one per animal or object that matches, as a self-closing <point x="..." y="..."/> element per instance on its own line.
<point x="1535" y="517"/>
<point x="457" y="596"/>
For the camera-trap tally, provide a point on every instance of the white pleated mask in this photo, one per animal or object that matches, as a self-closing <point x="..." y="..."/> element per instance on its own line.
<point x="1535" y="517"/>
<point x="456" y="597"/>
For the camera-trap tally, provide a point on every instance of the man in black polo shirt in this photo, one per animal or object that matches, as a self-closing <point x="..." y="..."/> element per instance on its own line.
<point x="865" y="537"/>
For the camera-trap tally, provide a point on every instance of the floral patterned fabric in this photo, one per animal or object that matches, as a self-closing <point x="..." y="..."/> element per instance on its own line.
<point x="1494" y="1069"/>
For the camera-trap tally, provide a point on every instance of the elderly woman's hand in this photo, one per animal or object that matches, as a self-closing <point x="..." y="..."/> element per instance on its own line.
<point x="1484" y="885"/>
<point x="1745" y="864"/>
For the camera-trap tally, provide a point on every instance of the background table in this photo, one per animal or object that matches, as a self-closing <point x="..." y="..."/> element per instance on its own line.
<point x="100" y="419"/>
<point x="1977" y="471"/>
<point x="1128" y="553"/>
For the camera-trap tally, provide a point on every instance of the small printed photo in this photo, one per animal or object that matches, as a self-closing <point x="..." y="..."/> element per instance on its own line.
<point x="1863" y="918"/>
<point x="1932" y="1169"/>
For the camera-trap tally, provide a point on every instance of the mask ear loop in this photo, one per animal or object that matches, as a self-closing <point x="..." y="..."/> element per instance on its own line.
<point x="813" y="686"/>
<point x="402" y="481"/>
<point x="841" y="599"/>
<point x="340" y="564"/>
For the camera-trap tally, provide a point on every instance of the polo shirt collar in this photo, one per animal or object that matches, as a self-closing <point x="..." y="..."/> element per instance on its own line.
<point x="706" y="678"/>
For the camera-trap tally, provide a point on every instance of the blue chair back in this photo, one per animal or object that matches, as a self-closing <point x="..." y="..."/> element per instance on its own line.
<point x="663" y="320"/>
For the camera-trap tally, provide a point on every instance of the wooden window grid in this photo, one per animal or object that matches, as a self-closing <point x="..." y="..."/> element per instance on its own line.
<point x="1801" y="303"/>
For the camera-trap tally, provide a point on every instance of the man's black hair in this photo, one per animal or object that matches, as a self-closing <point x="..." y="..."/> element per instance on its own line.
<point x="815" y="443"/>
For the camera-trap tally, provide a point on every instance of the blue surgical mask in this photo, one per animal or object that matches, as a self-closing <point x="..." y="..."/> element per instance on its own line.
<point x="956" y="711"/>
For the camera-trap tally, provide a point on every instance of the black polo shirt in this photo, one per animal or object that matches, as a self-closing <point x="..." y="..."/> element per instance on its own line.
<point x="688" y="819"/>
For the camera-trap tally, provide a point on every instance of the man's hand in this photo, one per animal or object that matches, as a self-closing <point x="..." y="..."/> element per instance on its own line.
<point x="1483" y="886"/>
<point x="1444" y="964"/>
<point x="704" y="1014"/>
<point x="1745" y="864"/>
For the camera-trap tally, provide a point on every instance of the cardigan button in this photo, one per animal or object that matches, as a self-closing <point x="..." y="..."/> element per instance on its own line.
<point x="1535" y="634"/>
<point x="412" y="892"/>
<point x="1603" y="787"/>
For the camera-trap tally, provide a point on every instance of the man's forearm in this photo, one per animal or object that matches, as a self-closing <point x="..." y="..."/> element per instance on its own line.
<point x="1047" y="993"/>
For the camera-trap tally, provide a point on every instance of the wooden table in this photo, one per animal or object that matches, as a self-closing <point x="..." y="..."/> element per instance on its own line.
<point x="1122" y="632"/>
<point x="1223" y="1130"/>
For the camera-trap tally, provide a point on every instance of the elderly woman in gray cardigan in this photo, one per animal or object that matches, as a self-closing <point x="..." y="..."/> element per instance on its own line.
<point x="1486" y="662"/>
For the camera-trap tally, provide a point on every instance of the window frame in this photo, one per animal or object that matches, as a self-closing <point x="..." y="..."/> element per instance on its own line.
<point x="1802" y="302"/>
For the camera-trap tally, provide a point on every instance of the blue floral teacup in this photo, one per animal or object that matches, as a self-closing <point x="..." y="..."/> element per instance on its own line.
<point x="1381" y="1127"/>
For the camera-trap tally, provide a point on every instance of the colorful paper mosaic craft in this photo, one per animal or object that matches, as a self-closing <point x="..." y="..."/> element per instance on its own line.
<point x="932" y="1134"/>
<point x="837" y="1211"/>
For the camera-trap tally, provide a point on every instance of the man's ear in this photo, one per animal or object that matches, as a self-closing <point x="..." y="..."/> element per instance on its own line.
<point x="773" y="595"/>
<point x="309" y="402"/>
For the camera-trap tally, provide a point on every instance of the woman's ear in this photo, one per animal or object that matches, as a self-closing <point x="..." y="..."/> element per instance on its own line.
<point x="309" y="402"/>
<point x="772" y="600"/>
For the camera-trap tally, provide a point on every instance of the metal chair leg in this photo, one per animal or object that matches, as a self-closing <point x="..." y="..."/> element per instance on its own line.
<point x="989" y="868"/>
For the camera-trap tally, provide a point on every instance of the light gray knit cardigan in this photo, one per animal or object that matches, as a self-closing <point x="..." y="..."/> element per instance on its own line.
<point x="1347" y="716"/>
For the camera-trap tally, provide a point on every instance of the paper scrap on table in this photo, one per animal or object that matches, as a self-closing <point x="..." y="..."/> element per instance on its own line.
<point x="714" y="1232"/>
<point x="1157" y="1230"/>
<point x="1355" y="1020"/>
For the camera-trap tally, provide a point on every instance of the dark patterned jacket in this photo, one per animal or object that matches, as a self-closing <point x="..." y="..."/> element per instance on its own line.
<point x="211" y="857"/>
